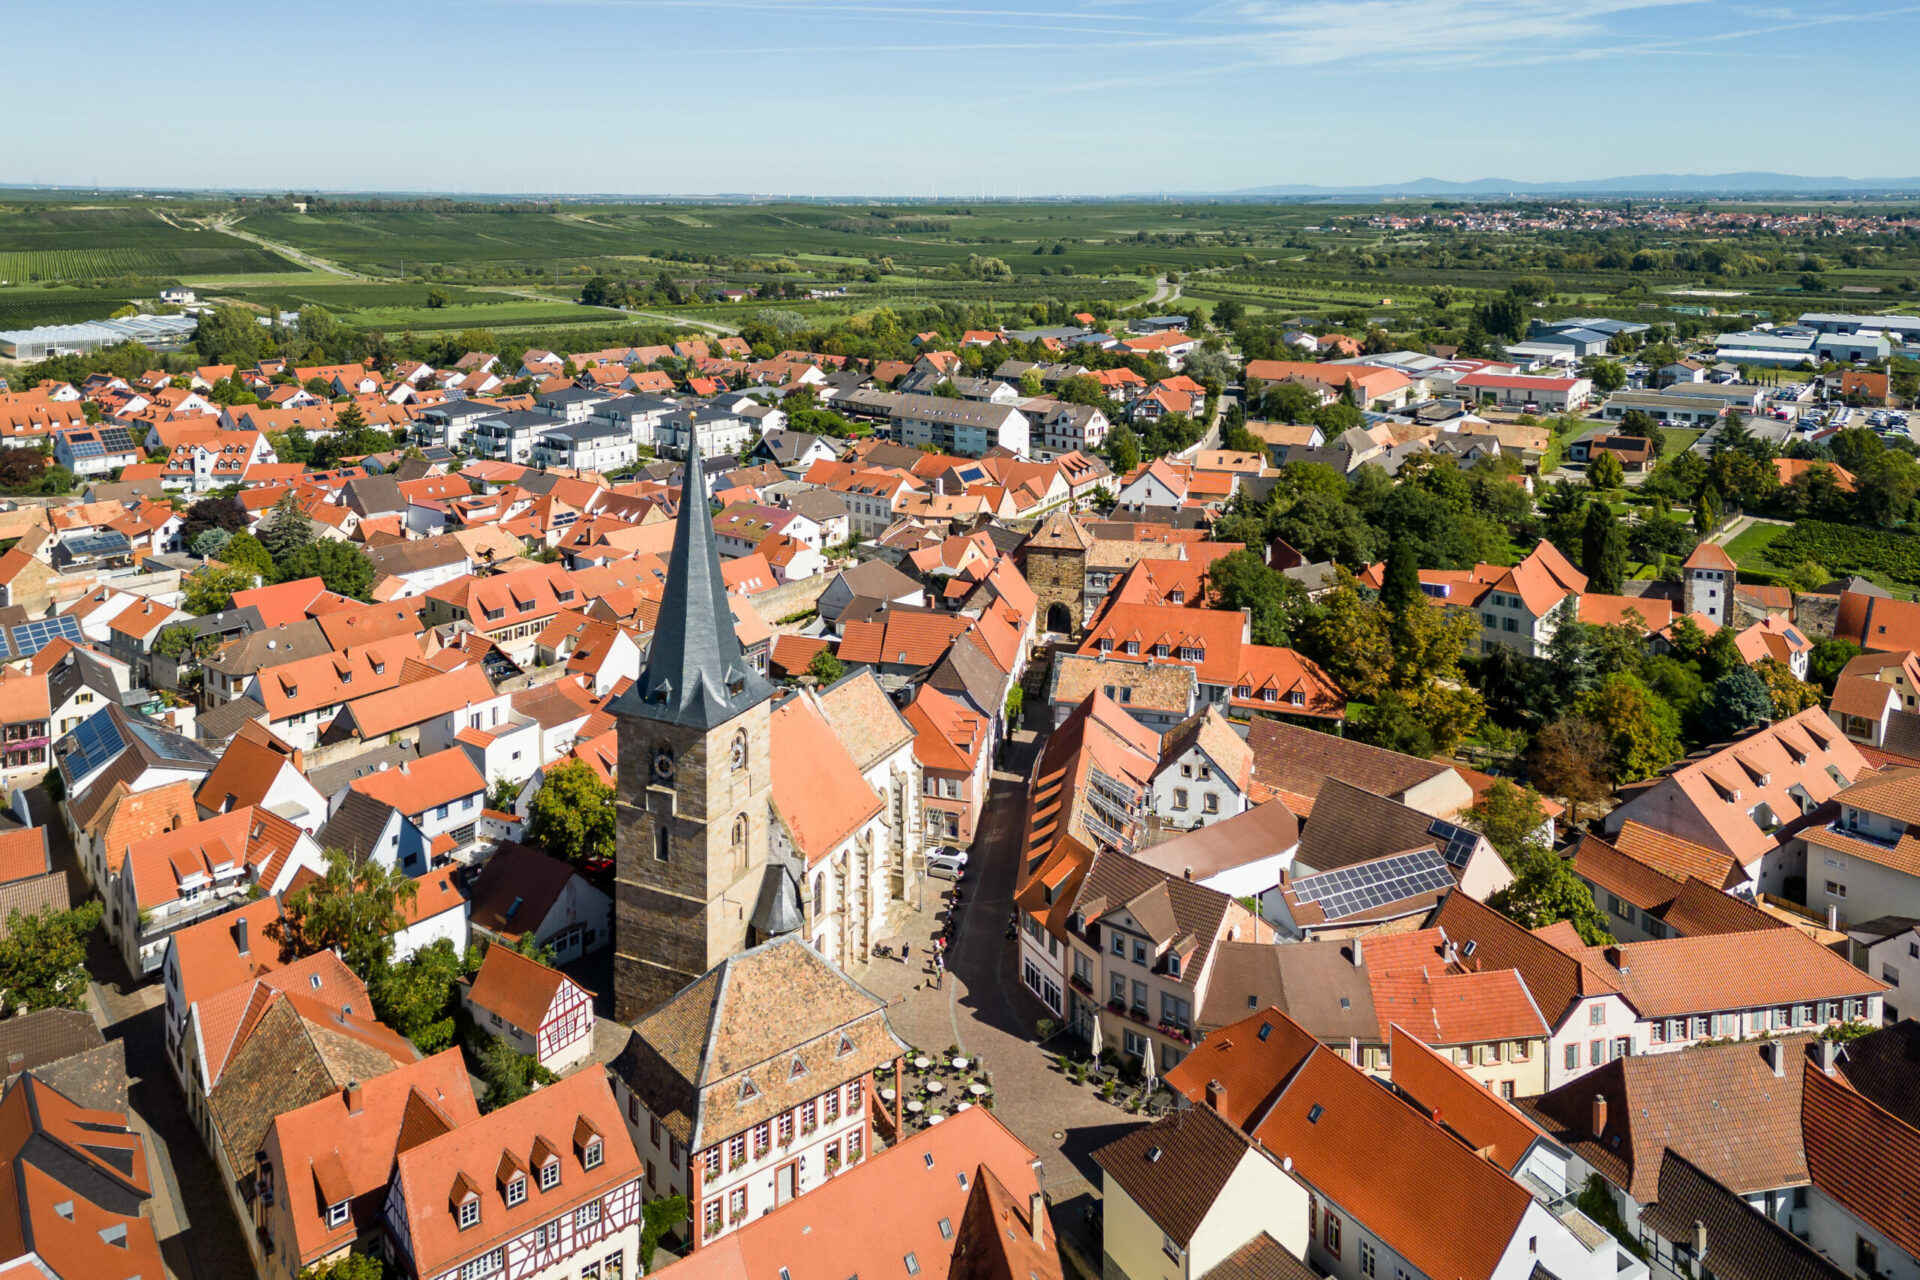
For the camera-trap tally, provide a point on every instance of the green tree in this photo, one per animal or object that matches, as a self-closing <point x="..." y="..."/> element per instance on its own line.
<point x="572" y="814"/>
<point x="341" y="566"/>
<point x="1393" y="724"/>
<point x="286" y="529"/>
<point x="825" y="667"/>
<point x="1545" y="891"/>
<point x="1400" y="588"/>
<point x="1242" y="580"/>
<point x="1605" y="471"/>
<point x="1123" y="449"/>
<point x="244" y="551"/>
<point x="1603" y="547"/>
<point x="349" y="1266"/>
<point x="210" y="542"/>
<point x="437" y="298"/>
<point x="1511" y="816"/>
<point x="657" y="1218"/>
<point x="418" y="996"/>
<point x="508" y="1074"/>
<point x="1642" y="730"/>
<point x="1706" y="512"/>
<point x="1791" y="695"/>
<point x="230" y="335"/>
<point x="211" y="513"/>
<point x="1608" y="377"/>
<point x="43" y="959"/>
<point x="353" y="908"/>
<point x="1739" y="700"/>
<point x="1828" y="658"/>
<point x="209" y="590"/>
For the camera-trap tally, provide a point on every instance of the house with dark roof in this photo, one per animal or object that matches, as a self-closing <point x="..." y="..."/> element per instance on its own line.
<point x="1183" y="1195"/>
<point x="1349" y="826"/>
<point x="521" y="892"/>
<point x="753" y="1085"/>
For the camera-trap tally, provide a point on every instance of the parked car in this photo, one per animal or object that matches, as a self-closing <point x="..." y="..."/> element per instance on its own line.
<point x="947" y="864"/>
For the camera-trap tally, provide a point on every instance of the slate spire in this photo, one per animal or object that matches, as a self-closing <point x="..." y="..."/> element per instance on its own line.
<point x="695" y="673"/>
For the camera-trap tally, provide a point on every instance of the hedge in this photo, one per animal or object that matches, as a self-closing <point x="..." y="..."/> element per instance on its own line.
<point x="1843" y="549"/>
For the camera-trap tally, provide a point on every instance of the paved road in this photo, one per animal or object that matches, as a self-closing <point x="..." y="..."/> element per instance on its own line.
<point x="199" y="1235"/>
<point x="985" y="1010"/>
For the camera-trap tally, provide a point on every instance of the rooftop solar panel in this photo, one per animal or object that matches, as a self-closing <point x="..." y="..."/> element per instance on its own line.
<point x="93" y="745"/>
<point x="30" y="638"/>
<point x="96" y="544"/>
<point x="1359" y="888"/>
<point x="117" y="438"/>
<point x="1455" y="842"/>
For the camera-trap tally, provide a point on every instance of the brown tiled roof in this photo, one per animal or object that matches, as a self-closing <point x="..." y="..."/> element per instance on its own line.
<point x="1599" y="863"/>
<point x="1261" y="1258"/>
<point x="1350" y="825"/>
<point x="998" y="1238"/>
<point x="1314" y="983"/>
<point x="1742" y="1243"/>
<point x="517" y="872"/>
<point x="1864" y="1158"/>
<point x="1554" y="978"/>
<point x="1676" y="976"/>
<point x="1720" y="1106"/>
<point x="1261" y="832"/>
<point x="1883" y="1065"/>
<point x="865" y="719"/>
<point x="1189" y="918"/>
<point x="32" y="896"/>
<point x="1251" y="1059"/>
<point x="1154" y="686"/>
<point x="1176" y="1167"/>
<point x="35" y="1039"/>
<point x="1288" y="757"/>
<point x="1699" y="908"/>
<point x="748" y="1021"/>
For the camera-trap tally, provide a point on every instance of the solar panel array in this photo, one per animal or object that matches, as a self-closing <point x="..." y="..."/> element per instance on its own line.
<point x="85" y="447"/>
<point x="1351" y="890"/>
<point x="118" y="439"/>
<point x="96" y="544"/>
<point x="1456" y="843"/>
<point x="95" y="743"/>
<point x="30" y="638"/>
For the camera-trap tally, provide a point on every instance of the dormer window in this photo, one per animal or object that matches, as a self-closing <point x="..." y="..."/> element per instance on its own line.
<point x="337" y="1214"/>
<point x="516" y="1190"/>
<point x="469" y="1213"/>
<point x="550" y="1175"/>
<point x="591" y="1157"/>
<point x="1106" y="646"/>
<point x="1133" y="647"/>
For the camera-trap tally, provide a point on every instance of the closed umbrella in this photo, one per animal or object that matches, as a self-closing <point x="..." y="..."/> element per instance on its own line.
<point x="1146" y="1065"/>
<point x="1093" y="1036"/>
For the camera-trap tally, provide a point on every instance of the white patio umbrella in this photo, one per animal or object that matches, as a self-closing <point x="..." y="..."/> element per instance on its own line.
<point x="1093" y="1036"/>
<point x="1146" y="1065"/>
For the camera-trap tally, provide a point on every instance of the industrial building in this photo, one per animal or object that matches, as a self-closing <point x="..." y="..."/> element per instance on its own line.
<point x="162" y="333"/>
<point x="1907" y="328"/>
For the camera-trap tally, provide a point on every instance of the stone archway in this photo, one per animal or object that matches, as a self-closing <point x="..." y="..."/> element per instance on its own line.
<point x="1059" y="618"/>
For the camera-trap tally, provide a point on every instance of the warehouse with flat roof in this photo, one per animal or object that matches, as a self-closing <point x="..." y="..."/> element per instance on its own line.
<point x="162" y="333"/>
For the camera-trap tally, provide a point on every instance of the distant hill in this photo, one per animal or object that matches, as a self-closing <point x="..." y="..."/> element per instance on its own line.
<point x="1637" y="184"/>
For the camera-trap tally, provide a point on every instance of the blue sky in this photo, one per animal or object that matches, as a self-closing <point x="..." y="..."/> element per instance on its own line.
<point x="950" y="98"/>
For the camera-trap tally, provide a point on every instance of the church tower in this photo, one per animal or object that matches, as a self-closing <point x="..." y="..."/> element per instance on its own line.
<point x="694" y="782"/>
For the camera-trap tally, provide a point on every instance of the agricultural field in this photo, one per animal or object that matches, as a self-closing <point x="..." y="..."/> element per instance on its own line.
<point x="41" y="243"/>
<point x="24" y="308"/>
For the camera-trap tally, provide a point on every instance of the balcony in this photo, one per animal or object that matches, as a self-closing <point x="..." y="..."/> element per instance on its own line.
<point x="1080" y="984"/>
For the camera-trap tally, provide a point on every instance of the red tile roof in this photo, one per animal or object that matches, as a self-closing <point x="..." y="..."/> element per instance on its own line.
<point x="517" y="988"/>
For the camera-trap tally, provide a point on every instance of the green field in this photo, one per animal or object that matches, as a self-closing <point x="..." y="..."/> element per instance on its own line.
<point x="1749" y="547"/>
<point x="116" y="242"/>
<point x="23" y="308"/>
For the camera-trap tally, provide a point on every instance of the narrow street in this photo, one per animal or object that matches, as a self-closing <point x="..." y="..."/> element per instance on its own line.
<point x="200" y="1238"/>
<point x="985" y="1011"/>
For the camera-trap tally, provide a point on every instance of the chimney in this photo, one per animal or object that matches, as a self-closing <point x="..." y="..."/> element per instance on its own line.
<point x="1699" y="1240"/>
<point x="353" y="1097"/>
<point x="1037" y="1210"/>
<point x="1616" y="956"/>
<point x="1833" y="917"/>
<point x="1599" y="1121"/>
<point x="1775" y="1058"/>
<point x="1187" y="873"/>
<point x="1450" y="954"/>
<point x="240" y="935"/>
<point x="1358" y="960"/>
<point x="1217" y="1096"/>
<point x="1829" y="1055"/>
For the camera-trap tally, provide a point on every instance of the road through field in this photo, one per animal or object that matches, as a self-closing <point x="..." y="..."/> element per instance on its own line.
<point x="226" y="224"/>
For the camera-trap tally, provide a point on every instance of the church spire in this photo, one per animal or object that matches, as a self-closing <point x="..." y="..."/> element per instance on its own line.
<point x="695" y="673"/>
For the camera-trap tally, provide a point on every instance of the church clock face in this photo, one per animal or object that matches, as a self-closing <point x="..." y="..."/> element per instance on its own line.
<point x="663" y="765"/>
